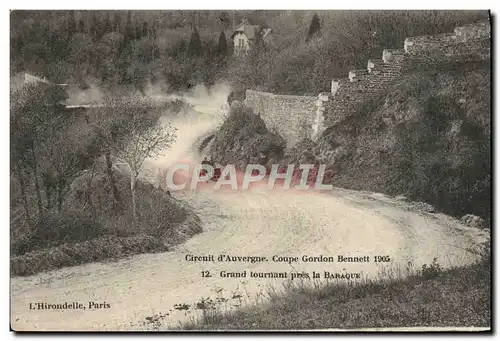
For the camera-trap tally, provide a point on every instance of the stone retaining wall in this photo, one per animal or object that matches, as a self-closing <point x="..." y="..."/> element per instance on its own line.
<point x="297" y="117"/>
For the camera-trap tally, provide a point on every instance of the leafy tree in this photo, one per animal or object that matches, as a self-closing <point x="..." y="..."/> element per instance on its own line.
<point x="225" y="20"/>
<point x="314" y="28"/>
<point x="95" y="28"/>
<point x="80" y="49"/>
<point x="35" y="110"/>
<point x="145" y="29"/>
<point x="156" y="51"/>
<point x="81" y="26"/>
<point x="35" y="57"/>
<point x="129" y="30"/>
<point x="117" y="23"/>
<point x="195" y="48"/>
<point x="108" y="50"/>
<point x="107" y="26"/>
<point x="64" y="155"/>
<point x="71" y="25"/>
<point x="222" y="44"/>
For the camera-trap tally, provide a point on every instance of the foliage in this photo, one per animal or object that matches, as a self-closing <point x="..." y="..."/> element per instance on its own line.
<point x="432" y="270"/>
<point x="222" y="44"/>
<point x="446" y="170"/>
<point x="174" y="48"/>
<point x="450" y="297"/>
<point x="314" y="28"/>
<point x="195" y="47"/>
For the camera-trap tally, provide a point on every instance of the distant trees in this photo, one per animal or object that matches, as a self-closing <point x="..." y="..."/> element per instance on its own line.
<point x="80" y="43"/>
<point x="314" y="28"/>
<point x="38" y="128"/>
<point x="225" y="20"/>
<point x="51" y="146"/>
<point x="222" y="44"/>
<point x="195" y="48"/>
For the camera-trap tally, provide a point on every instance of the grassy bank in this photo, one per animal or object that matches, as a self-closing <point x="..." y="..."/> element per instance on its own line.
<point x="93" y="227"/>
<point x="430" y="297"/>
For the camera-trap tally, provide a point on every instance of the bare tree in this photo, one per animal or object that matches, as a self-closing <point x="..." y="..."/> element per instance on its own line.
<point x="106" y="121"/>
<point x="145" y="140"/>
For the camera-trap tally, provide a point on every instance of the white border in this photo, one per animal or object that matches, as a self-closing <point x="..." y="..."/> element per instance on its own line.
<point x="218" y="4"/>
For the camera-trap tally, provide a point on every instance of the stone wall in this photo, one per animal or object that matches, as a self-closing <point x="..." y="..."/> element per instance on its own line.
<point x="296" y="117"/>
<point x="290" y="116"/>
<point x="467" y="43"/>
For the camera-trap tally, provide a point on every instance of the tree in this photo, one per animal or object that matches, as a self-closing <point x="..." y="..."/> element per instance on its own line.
<point x="35" y="110"/>
<point x="81" y="26"/>
<point x="129" y="30"/>
<point x="195" y="48"/>
<point x="222" y="44"/>
<point x="315" y="27"/>
<point x="117" y="23"/>
<point x="108" y="50"/>
<point x="95" y="28"/>
<point x="80" y="49"/>
<point x="71" y="25"/>
<point x="107" y="124"/>
<point x="145" y="29"/>
<point x="107" y="27"/>
<point x="145" y="140"/>
<point x="156" y="51"/>
<point x="225" y="20"/>
<point x="69" y="150"/>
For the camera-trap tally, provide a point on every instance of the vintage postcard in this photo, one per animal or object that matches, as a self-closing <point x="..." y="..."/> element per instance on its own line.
<point x="249" y="170"/>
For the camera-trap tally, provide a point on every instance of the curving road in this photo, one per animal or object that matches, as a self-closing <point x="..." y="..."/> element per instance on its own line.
<point x="242" y="223"/>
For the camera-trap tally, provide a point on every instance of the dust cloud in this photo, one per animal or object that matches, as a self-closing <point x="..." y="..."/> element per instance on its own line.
<point x="207" y="106"/>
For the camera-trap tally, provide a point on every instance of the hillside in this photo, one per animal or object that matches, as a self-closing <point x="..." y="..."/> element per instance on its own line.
<point x="427" y="137"/>
<point x="91" y="228"/>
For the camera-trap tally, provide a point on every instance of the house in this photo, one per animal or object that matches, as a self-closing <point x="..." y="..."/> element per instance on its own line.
<point x="245" y="37"/>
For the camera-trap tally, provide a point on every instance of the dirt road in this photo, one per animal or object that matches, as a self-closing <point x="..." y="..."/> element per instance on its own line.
<point x="249" y="223"/>
<point x="242" y="224"/>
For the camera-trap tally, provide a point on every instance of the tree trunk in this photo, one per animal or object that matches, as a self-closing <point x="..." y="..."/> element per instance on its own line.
<point x="48" y="194"/>
<point x="23" y="193"/>
<point x="88" y="193"/>
<point x="109" y="169"/>
<point x="133" y="177"/>
<point x="60" y="197"/>
<point x="37" y="186"/>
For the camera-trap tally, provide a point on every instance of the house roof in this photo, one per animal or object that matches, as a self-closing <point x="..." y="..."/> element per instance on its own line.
<point x="34" y="79"/>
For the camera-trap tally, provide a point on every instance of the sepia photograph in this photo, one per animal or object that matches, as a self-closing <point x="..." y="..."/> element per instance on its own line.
<point x="250" y="170"/>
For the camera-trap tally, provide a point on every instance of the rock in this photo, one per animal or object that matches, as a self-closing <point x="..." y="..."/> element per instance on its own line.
<point x="243" y="138"/>
<point x="473" y="221"/>
<point x="401" y="198"/>
<point x="422" y="206"/>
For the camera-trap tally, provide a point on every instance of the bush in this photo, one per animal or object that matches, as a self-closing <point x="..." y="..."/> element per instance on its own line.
<point x="94" y="250"/>
<point x="58" y="228"/>
<point x="432" y="271"/>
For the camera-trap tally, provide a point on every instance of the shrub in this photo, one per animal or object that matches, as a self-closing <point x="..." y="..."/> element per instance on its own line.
<point x="57" y="228"/>
<point x="432" y="271"/>
<point x="94" y="250"/>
